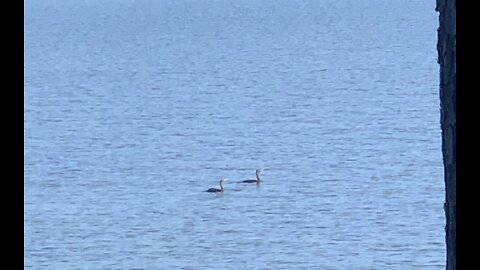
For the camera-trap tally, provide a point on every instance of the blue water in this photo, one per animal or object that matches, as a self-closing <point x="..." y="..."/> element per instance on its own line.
<point x="133" y="109"/>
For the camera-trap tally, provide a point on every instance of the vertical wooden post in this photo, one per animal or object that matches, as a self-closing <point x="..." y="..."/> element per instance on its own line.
<point x="446" y="47"/>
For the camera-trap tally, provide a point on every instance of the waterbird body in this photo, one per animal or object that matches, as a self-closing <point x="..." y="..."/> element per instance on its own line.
<point x="221" y="186"/>
<point x="257" y="173"/>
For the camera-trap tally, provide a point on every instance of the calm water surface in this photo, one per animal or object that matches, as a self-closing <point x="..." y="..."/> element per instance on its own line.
<point x="134" y="108"/>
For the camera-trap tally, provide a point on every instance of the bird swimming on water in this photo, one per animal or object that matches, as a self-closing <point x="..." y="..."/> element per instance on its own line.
<point x="257" y="173"/>
<point x="216" y="189"/>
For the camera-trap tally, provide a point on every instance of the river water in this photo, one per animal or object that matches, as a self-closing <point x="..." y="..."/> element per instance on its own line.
<point x="132" y="109"/>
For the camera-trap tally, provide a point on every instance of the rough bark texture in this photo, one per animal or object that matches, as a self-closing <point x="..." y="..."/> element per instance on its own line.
<point x="446" y="47"/>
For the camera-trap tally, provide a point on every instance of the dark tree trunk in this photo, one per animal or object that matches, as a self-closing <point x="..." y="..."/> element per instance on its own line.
<point x="446" y="47"/>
